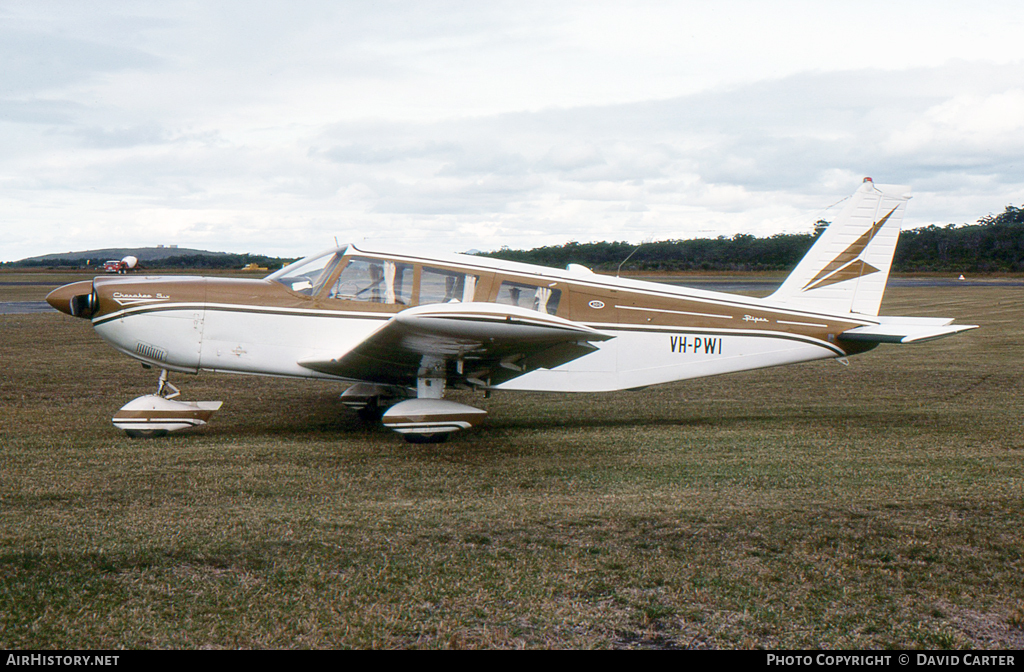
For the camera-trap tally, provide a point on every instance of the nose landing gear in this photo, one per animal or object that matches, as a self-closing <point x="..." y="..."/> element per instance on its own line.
<point x="153" y="415"/>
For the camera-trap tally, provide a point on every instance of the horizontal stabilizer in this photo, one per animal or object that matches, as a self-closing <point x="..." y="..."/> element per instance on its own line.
<point x="906" y="330"/>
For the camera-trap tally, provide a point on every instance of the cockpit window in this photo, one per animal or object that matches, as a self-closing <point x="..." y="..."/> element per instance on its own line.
<point x="441" y="286"/>
<point x="308" y="275"/>
<point x="375" y="281"/>
<point x="543" y="299"/>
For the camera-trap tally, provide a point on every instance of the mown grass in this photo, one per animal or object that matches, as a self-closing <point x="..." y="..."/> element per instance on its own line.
<point x="870" y="506"/>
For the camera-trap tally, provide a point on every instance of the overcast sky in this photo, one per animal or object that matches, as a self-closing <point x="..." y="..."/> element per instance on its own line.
<point x="274" y="127"/>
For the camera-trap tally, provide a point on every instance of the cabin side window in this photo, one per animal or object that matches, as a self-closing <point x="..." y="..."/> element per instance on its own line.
<point x="374" y="281"/>
<point x="441" y="286"/>
<point x="543" y="299"/>
<point x="308" y="275"/>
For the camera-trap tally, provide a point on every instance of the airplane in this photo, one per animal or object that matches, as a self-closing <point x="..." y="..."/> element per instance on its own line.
<point x="402" y="328"/>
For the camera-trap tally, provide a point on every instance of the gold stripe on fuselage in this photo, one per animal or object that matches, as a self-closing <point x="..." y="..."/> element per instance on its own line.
<point x="625" y="304"/>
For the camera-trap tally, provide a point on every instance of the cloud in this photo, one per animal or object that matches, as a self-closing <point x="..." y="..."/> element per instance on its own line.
<point x="39" y="62"/>
<point x="264" y="127"/>
<point x="989" y="127"/>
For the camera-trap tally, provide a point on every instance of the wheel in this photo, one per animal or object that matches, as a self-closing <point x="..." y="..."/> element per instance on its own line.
<point x="439" y="437"/>
<point x="372" y="412"/>
<point x="145" y="433"/>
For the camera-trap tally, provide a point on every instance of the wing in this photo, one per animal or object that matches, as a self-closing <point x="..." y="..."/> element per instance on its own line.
<point x="481" y="343"/>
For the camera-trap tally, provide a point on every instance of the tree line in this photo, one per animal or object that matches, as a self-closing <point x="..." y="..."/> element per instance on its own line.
<point x="994" y="244"/>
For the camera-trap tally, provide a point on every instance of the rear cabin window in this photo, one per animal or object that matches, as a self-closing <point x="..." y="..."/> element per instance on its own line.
<point x="374" y="281"/>
<point x="441" y="286"/>
<point x="543" y="299"/>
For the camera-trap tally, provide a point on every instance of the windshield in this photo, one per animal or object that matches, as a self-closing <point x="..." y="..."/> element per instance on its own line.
<point x="308" y="275"/>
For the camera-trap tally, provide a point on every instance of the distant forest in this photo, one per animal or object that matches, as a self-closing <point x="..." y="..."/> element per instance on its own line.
<point x="994" y="244"/>
<point x="221" y="261"/>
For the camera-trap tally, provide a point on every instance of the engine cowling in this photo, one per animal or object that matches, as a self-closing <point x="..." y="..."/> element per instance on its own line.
<point x="77" y="299"/>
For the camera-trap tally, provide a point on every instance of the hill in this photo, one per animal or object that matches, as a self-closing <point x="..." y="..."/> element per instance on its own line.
<point x="99" y="256"/>
<point x="154" y="257"/>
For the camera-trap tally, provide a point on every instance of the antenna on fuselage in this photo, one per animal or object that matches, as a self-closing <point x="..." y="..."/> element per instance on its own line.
<point x="336" y="243"/>
<point x="642" y="243"/>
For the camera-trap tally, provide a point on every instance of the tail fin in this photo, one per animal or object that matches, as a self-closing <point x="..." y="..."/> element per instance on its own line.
<point x="846" y="269"/>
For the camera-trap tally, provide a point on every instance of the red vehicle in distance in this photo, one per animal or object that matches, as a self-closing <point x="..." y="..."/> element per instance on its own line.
<point x="121" y="266"/>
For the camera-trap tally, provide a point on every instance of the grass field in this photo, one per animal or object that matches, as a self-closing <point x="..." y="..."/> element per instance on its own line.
<point x="872" y="506"/>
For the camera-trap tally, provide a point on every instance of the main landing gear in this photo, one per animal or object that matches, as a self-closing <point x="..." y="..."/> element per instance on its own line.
<point x="426" y="419"/>
<point x="153" y="415"/>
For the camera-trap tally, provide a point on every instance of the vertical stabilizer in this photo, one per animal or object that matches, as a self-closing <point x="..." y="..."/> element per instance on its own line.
<point x="846" y="269"/>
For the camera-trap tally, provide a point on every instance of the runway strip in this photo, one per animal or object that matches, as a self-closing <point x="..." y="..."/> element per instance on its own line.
<point x="19" y="307"/>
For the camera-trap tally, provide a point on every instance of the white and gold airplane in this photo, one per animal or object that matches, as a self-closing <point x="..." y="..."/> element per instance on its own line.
<point x="401" y="328"/>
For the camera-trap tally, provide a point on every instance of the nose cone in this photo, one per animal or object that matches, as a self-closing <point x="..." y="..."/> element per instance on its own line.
<point x="62" y="297"/>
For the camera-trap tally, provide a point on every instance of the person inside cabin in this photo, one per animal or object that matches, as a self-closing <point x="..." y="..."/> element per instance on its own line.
<point x="376" y="295"/>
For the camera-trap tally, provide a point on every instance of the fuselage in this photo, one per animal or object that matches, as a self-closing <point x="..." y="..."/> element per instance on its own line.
<point x="327" y="304"/>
